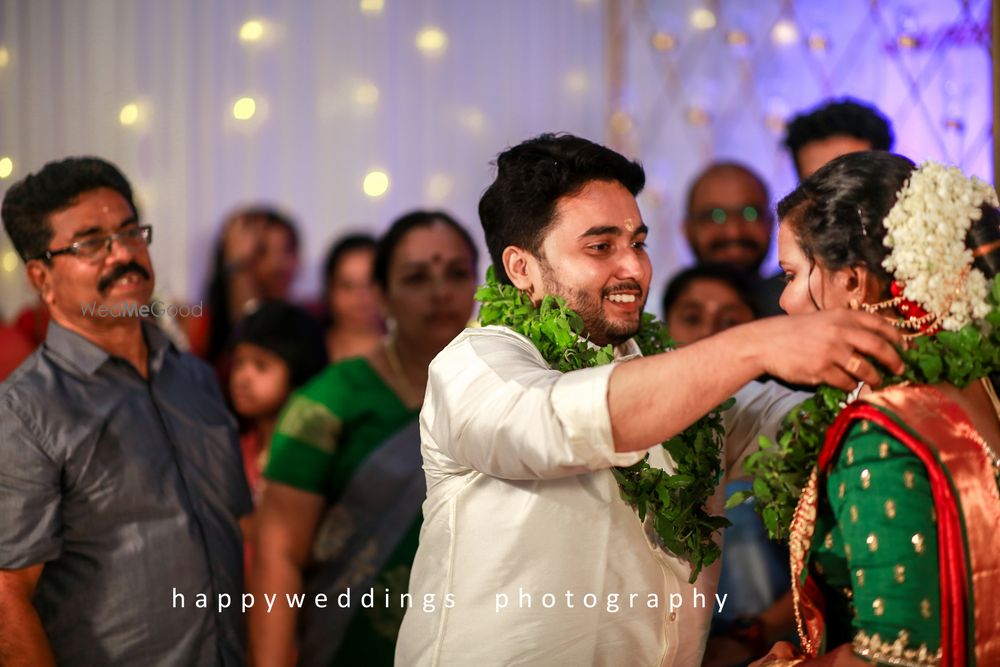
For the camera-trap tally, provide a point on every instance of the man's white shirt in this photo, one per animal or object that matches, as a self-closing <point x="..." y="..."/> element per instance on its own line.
<point x="527" y="550"/>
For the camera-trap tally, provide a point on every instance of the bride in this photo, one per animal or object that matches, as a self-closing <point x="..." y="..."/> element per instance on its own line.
<point x="895" y="541"/>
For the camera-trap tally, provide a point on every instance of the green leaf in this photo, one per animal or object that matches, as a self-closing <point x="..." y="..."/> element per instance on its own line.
<point x="738" y="499"/>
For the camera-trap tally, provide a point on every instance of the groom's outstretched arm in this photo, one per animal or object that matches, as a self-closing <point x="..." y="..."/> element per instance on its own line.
<point x="652" y="399"/>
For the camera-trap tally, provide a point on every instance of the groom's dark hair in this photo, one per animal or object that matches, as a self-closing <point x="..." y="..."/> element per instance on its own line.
<point x="519" y="206"/>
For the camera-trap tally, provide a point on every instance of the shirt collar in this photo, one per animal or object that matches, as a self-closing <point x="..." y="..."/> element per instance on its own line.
<point x="88" y="357"/>
<point x="627" y="350"/>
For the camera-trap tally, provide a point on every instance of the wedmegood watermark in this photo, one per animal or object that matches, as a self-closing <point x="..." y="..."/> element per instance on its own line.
<point x="131" y="310"/>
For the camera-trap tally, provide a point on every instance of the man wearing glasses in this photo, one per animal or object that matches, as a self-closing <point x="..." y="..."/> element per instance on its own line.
<point x="121" y="484"/>
<point x="728" y="221"/>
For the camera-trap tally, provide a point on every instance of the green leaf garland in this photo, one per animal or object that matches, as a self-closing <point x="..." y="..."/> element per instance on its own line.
<point x="675" y="502"/>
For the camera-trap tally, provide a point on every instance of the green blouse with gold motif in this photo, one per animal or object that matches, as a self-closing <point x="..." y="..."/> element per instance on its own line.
<point x="896" y="540"/>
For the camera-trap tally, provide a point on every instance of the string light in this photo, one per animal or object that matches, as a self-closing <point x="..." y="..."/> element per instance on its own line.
<point x="663" y="41"/>
<point x="9" y="261"/>
<point x="432" y="41"/>
<point x="703" y="19"/>
<point x="129" y="114"/>
<point x="366" y="95"/>
<point x="818" y="41"/>
<point x="576" y="81"/>
<point x="6" y="167"/>
<point x="252" y="31"/>
<point x="372" y="7"/>
<point x="621" y="122"/>
<point x="376" y="183"/>
<point x="472" y="119"/>
<point x="244" y="108"/>
<point x="784" y="32"/>
<point x="439" y="187"/>
<point x="737" y="37"/>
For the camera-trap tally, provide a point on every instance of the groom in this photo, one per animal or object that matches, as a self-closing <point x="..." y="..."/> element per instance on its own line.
<point x="523" y="523"/>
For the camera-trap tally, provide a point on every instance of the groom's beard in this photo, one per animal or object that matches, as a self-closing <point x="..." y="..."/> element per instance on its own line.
<point x="591" y="310"/>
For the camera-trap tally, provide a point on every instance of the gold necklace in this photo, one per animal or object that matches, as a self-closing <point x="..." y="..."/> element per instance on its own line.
<point x="396" y="366"/>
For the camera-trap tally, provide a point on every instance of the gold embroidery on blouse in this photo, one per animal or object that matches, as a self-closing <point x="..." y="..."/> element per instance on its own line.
<point x="883" y="450"/>
<point x="850" y="456"/>
<point x="854" y="513"/>
<point x="890" y="508"/>
<point x="842" y="489"/>
<point x="908" y="479"/>
<point x="878" y="606"/>
<point x="864" y="426"/>
<point x="828" y="541"/>
<point x="866" y="478"/>
<point x="925" y="608"/>
<point x="897" y="653"/>
<point x="872" y="542"/>
<point x="899" y="572"/>
<point x="918" y="542"/>
<point x="860" y="576"/>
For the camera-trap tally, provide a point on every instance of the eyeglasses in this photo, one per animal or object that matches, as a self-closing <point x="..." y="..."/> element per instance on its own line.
<point x="722" y="216"/>
<point x="99" y="247"/>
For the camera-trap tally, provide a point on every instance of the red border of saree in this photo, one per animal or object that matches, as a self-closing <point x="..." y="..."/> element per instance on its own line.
<point x="954" y="463"/>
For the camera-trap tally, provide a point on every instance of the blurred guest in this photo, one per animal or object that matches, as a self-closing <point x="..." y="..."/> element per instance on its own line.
<point x="120" y="476"/>
<point x="14" y="348"/>
<point x="832" y="129"/>
<point x="256" y="259"/>
<point x="705" y="300"/>
<point x="347" y="446"/>
<point x="700" y="302"/>
<point x="354" y="321"/>
<point x="729" y="221"/>
<point x="276" y="349"/>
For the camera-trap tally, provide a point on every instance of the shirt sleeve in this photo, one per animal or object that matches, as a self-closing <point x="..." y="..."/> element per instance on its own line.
<point x="883" y="504"/>
<point x="494" y="406"/>
<point x="303" y="444"/>
<point x="30" y="496"/>
<point x="759" y="410"/>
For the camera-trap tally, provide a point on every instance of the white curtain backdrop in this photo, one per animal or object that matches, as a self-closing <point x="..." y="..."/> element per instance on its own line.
<point x="341" y="89"/>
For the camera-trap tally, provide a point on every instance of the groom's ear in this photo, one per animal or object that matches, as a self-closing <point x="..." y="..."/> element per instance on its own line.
<point x="520" y="266"/>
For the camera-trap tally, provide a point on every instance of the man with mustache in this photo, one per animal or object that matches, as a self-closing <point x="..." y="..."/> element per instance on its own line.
<point x="728" y="221"/>
<point x="121" y="483"/>
<point x="524" y="528"/>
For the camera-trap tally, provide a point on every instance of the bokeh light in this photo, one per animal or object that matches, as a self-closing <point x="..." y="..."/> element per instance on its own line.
<point x="376" y="183"/>
<point x="244" y="108"/>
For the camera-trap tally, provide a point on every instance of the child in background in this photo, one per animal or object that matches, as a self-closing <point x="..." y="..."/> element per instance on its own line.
<point x="276" y="349"/>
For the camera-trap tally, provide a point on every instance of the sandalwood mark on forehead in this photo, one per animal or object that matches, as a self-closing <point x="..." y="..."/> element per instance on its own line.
<point x="436" y="258"/>
<point x="630" y="224"/>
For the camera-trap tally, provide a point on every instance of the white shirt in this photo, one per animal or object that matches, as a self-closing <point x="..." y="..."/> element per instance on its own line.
<point x="521" y="503"/>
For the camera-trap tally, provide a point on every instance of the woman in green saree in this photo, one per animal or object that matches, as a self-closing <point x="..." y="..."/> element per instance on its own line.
<point x="340" y="516"/>
<point x="895" y="543"/>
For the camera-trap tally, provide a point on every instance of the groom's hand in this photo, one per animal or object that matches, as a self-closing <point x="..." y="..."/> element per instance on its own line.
<point x="829" y="347"/>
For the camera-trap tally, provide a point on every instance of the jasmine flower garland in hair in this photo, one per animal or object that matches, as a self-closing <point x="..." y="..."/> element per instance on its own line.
<point x="676" y="503"/>
<point x="926" y="231"/>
